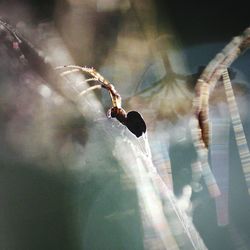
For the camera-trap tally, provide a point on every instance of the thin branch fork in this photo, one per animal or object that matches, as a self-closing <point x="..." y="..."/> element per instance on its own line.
<point x="204" y="87"/>
<point x="209" y="77"/>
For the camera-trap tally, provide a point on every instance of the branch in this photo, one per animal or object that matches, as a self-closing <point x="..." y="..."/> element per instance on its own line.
<point x="208" y="79"/>
<point x="204" y="87"/>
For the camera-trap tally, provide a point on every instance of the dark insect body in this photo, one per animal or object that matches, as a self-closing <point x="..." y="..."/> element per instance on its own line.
<point x="132" y="120"/>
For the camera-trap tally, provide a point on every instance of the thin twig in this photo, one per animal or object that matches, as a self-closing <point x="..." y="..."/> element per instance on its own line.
<point x="204" y="87"/>
<point x="238" y="128"/>
<point x="210" y="76"/>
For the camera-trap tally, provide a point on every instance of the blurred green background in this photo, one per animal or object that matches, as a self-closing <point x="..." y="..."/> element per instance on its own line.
<point x="53" y="203"/>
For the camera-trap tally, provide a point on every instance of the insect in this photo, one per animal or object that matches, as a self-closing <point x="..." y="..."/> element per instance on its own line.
<point x="132" y="120"/>
<point x="28" y="54"/>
